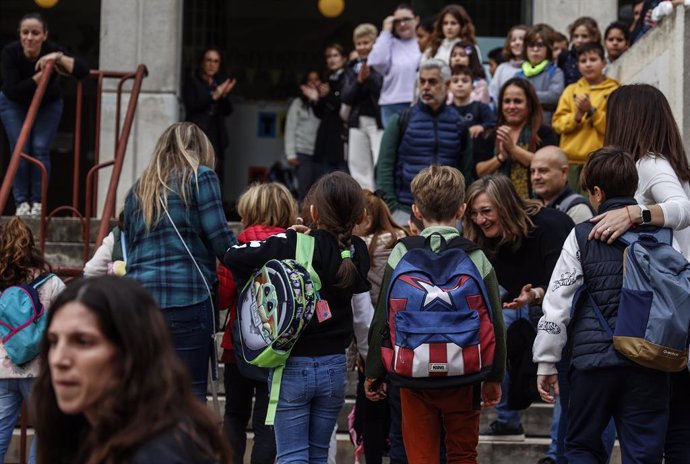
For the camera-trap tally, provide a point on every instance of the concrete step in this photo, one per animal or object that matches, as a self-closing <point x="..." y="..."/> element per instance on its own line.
<point x="528" y="451"/>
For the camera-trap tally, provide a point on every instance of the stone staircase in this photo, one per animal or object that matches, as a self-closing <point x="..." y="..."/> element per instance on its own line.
<point x="64" y="247"/>
<point x="536" y="422"/>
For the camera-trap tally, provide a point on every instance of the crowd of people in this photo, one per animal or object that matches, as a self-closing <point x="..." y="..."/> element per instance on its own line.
<point x="407" y="153"/>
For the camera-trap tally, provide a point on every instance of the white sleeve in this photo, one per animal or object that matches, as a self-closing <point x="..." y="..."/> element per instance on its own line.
<point x="659" y="184"/>
<point x="362" y="314"/>
<point x="663" y="9"/>
<point x="98" y="264"/>
<point x="50" y="290"/>
<point x="290" y="129"/>
<point x="558" y="300"/>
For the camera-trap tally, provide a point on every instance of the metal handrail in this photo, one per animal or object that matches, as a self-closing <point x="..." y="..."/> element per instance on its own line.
<point x="121" y="139"/>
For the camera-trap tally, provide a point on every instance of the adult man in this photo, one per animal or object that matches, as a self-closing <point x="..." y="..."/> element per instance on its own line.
<point x="427" y="133"/>
<point x="549" y="175"/>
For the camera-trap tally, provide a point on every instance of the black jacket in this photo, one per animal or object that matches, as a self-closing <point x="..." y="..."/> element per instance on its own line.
<point x="363" y="98"/>
<point x="330" y="138"/>
<point x="209" y="115"/>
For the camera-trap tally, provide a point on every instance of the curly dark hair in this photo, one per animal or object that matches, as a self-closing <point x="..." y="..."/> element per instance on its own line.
<point x="19" y="256"/>
<point x="153" y="393"/>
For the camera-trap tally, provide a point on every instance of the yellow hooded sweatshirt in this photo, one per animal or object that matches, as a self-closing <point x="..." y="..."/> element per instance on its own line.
<point x="578" y="139"/>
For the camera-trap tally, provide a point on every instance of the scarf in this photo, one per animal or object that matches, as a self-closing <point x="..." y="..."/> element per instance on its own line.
<point x="531" y="71"/>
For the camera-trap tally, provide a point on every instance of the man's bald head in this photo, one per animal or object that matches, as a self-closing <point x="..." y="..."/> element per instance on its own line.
<point x="549" y="172"/>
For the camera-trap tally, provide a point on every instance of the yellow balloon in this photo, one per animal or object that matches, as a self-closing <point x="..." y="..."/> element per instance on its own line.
<point x="46" y="3"/>
<point x="331" y="8"/>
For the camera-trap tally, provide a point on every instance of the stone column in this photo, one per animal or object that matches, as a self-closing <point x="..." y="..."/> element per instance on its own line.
<point x="560" y="13"/>
<point x="135" y="32"/>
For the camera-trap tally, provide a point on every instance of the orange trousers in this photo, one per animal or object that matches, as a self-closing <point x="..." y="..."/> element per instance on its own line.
<point x="424" y="412"/>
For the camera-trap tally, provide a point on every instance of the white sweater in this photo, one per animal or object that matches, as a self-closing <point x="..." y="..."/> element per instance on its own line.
<point x="659" y="184"/>
<point x="301" y="126"/>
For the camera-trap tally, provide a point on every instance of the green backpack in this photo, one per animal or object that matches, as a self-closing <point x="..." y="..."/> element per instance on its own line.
<point x="274" y="308"/>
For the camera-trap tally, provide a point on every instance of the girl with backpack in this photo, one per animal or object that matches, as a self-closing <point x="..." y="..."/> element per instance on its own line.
<point x="266" y="210"/>
<point x="21" y="263"/>
<point x="312" y="388"/>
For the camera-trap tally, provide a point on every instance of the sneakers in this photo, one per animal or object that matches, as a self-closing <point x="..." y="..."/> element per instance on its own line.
<point x="36" y="209"/>
<point x="23" y="209"/>
<point x="501" y="432"/>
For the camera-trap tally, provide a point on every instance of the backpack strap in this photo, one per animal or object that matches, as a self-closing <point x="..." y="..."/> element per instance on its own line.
<point x="304" y="255"/>
<point x="41" y="279"/>
<point x="403" y="122"/>
<point x="570" y="201"/>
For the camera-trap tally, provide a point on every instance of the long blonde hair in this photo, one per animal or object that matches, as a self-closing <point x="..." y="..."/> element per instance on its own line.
<point x="179" y="152"/>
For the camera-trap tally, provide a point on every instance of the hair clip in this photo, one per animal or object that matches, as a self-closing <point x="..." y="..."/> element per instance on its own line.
<point x="469" y="50"/>
<point x="380" y="193"/>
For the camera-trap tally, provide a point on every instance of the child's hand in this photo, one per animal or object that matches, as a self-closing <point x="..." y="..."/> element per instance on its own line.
<point x="528" y="296"/>
<point x="476" y="130"/>
<point x="583" y="103"/>
<point x="544" y="383"/>
<point x="374" y="389"/>
<point x="491" y="394"/>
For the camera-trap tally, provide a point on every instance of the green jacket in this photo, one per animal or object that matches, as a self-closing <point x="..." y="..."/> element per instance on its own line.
<point x="375" y="368"/>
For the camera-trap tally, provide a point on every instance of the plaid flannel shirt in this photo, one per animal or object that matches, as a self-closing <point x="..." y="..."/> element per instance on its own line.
<point x="157" y="258"/>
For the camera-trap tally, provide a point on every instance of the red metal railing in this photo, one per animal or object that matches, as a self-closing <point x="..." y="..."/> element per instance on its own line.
<point x="122" y="131"/>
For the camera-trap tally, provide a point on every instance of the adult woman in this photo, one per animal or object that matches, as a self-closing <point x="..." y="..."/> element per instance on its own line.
<point x="205" y="96"/>
<point x="110" y="388"/>
<point x="512" y="60"/>
<point x="523" y="241"/>
<point x="452" y="25"/>
<point x="175" y="228"/>
<point x="22" y="67"/>
<point x="519" y="133"/>
<point x="396" y="56"/>
<point x="639" y="120"/>
<point x="329" y="148"/>
<point x="301" y="125"/>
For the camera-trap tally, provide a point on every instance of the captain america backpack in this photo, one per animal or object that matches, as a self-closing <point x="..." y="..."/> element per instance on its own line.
<point x="440" y="331"/>
<point x="274" y="308"/>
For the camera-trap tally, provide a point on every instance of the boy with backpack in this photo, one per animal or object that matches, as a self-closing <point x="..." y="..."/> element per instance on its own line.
<point x="438" y="327"/>
<point x="588" y="306"/>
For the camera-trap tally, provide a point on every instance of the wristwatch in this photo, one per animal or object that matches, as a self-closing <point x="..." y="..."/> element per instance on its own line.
<point x="645" y="214"/>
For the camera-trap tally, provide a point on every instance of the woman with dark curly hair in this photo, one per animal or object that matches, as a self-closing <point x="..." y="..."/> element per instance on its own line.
<point x="21" y="262"/>
<point x="111" y="389"/>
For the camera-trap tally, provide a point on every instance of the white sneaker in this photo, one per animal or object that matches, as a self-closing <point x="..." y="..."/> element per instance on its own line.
<point x="24" y="209"/>
<point x="36" y="209"/>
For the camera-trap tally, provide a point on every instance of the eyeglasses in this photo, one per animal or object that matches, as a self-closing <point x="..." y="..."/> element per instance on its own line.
<point x="402" y="21"/>
<point x="536" y="45"/>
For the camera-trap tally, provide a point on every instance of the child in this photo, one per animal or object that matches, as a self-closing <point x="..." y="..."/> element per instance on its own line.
<point x="560" y="45"/>
<point x="464" y="54"/>
<point x="583" y="30"/>
<point x="512" y="57"/>
<point x="439" y="202"/>
<point x="313" y="384"/>
<point x="361" y="90"/>
<point x="265" y="210"/>
<point x="111" y="257"/>
<point x="21" y="262"/>
<point x="602" y="383"/>
<point x="545" y="77"/>
<point x="616" y="41"/>
<point x="581" y="114"/>
<point x="453" y="24"/>
<point x="380" y="233"/>
<point x="477" y="116"/>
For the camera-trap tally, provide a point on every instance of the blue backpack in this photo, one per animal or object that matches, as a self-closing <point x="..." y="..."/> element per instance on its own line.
<point x="653" y="321"/>
<point x="440" y="329"/>
<point x="22" y="320"/>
